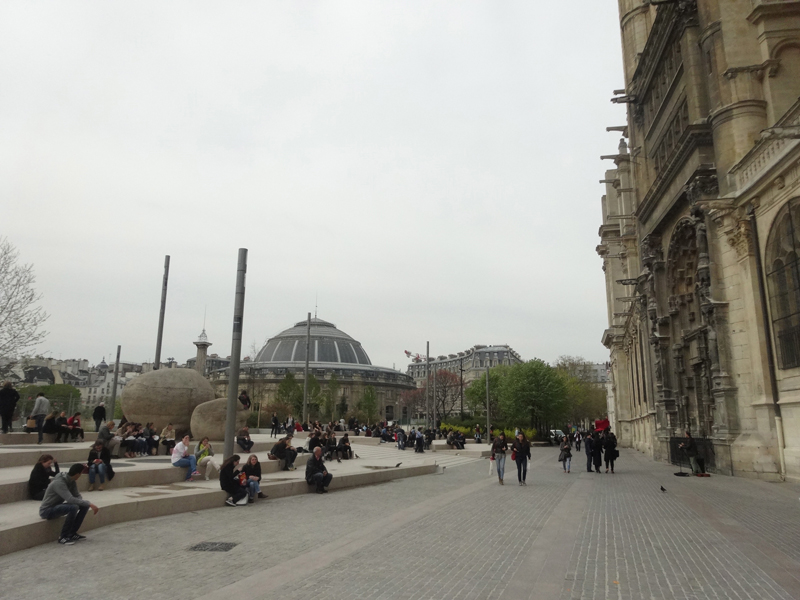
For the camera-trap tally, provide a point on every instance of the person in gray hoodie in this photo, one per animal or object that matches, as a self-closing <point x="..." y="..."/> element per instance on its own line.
<point x="63" y="499"/>
<point x="40" y="409"/>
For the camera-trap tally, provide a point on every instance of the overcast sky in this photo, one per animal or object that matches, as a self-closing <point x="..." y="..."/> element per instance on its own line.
<point x="428" y="169"/>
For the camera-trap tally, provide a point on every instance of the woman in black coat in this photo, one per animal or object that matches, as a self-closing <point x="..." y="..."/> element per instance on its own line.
<point x="597" y="451"/>
<point x="522" y="453"/>
<point x="229" y="481"/>
<point x="610" y="447"/>
<point x="43" y="471"/>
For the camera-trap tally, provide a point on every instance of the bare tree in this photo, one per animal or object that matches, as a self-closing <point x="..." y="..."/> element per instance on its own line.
<point x="20" y="318"/>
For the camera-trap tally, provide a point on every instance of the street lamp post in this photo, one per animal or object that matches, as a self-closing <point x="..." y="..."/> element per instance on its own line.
<point x="487" y="402"/>
<point x="461" y="375"/>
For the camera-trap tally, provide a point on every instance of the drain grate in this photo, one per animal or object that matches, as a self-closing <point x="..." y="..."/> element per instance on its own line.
<point x="214" y="546"/>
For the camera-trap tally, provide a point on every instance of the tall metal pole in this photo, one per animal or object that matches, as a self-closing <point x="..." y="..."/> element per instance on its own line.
<point x="461" y="374"/>
<point x="157" y="361"/>
<point x="114" y="389"/>
<point x="427" y="384"/>
<point x="236" y="353"/>
<point x="305" y="378"/>
<point x="433" y="426"/>
<point x="487" y="402"/>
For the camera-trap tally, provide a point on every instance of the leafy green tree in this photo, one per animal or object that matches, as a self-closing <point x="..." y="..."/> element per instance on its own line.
<point x="475" y="393"/>
<point x="585" y="399"/>
<point x="289" y="392"/>
<point x="533" y="392"/>
<point x="342" y="406"/>
<point x="314" y="394"/>
<point x="328" y="400"/>
<point x="368" y="404"/>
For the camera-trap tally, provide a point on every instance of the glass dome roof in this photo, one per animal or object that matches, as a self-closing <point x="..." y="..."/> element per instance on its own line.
<point x="328" y="345"/>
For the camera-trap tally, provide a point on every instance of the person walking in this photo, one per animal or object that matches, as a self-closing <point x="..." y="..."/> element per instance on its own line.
<point x="276" y="425"/>
<point x="99" y="416"/>
<point x="566" y="454"/>
<point x="589" y="449"/>
<point x="690" y="447"/>
<point x="597" y="452"/>
<point x="499" y="448"/>
<point x="8" y="403"/>
<point x="522" y="453"/>
<point x="578" y="438"/>
<point x="40" y="409"/>
<point x="62" y="499"/>
<point x="610" y="448"/>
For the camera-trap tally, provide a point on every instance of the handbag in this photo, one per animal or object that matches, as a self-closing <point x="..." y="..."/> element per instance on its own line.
<point x="513" y="455"/>
<point x="31" y="423"/>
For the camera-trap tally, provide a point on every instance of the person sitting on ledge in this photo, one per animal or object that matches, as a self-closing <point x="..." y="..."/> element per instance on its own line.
<point x="315" y="441"/>
<point x="181" y="457"/>
<point x="203" y="452"/>
<point x="343" y="450"/>
<point x="229" y="482"/>
<point x="253" y="472"/>
<point x="283" y="451"/>
<point x="99" y="465"/>
<point x="330" y="450"/>
<point x="62" y="499"/>
<point x="62" y="429"/>
<point x="150" y="438"/>
<point x="168" y="437"/>
<point x="316" y="473"/>
<point x="75" y="428"/>
<point x="243" y="439"/>
<point x="106" y="435"/>
<point x="43" y="471"/>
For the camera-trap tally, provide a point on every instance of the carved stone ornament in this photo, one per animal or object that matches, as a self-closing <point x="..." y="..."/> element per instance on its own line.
<point x="741" y="239"/>
<point x="651" y="250"/>
<point x="702" y="187"/>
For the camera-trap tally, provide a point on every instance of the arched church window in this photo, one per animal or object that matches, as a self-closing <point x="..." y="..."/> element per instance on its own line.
<point x="783" y="283"/>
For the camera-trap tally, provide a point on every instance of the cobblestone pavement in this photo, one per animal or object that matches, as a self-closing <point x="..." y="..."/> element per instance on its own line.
<point x="456" y="535"/>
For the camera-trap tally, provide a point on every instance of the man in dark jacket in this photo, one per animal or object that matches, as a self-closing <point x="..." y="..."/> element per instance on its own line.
<point x="690" y="447"/>
<point x="589" y="447"/>
<point x="8" y="402"/>
<point x="99" y="415"/>
<point x="62" y="499"/>
<point x="316" y="473"/>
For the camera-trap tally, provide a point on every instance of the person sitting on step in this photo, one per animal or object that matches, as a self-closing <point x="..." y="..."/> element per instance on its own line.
<point x="316" y="473"/>
<point x="253" y="472"/>
<point x="62" y="499"/>
<point x="204" y="453"/>
<point x="343" y="450"/>
<point x="283" y="451"/>
<point x="230" y="482"/>
<point x="43" y="472"/>
<point x="181" y="457"/>
<point x="168" y="438"/>
<point x="75" y="427"/>
<point x="62" y="429"/>
<point x="243" y="439"/>
<point x="99" y="465"/>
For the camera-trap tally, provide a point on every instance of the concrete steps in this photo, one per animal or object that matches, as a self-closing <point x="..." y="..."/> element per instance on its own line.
<point x="19" y="455"/>
<point x="12" y="439"/>
<point x="21" y="527"/>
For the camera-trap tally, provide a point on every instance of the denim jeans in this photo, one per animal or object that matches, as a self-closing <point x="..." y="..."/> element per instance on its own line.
<point x="187" y="461"/>
<point x="74" y="514"/>
<point x="253" y="488"/>
<point x="567" y="463"/>
<point x="522" y="468"/>
<point x="500" y="463"/>
<point x="97" y="469"/>
<point x="39" y="425"/>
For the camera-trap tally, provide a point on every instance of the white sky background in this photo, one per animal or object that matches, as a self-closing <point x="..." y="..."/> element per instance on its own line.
<point x="429" y="169"/>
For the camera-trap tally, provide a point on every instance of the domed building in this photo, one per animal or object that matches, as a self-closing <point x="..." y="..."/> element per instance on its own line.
<point x="332" y="352"/>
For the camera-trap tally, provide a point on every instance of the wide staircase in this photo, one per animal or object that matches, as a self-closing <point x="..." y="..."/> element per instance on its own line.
<point x="151" y="487"/>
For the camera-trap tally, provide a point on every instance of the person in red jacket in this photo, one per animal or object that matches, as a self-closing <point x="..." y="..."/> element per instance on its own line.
<point x="74" y="424"/>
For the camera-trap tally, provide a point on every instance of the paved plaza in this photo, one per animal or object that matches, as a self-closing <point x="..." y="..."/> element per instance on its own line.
<point x="455" y="535"/>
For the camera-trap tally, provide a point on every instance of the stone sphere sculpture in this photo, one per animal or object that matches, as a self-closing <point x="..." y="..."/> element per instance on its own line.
<point x="165" y="396"/>
<point x="208" y="419"/>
